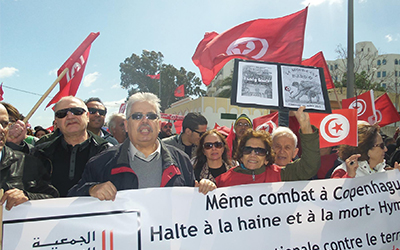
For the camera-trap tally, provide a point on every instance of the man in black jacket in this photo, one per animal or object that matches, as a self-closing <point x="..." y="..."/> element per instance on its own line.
<point x="142" y="161"/>
<point x="66" y="155"/>
<point x="22" y="176"/>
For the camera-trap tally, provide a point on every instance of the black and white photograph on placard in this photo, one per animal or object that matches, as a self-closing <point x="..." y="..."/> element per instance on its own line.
<point x="274" y="85"/>
<point x="302" y="87"/>
<point x="257" y="84"/>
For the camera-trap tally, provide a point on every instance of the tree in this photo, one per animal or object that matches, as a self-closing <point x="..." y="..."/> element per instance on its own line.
<point x="134" y="71"/>
<point x="365" y="67"/>
<point x="226" y="87"/>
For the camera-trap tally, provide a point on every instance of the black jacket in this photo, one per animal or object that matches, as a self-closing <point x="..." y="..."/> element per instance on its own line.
<point x="65" y="163"/>
<point x="25" y="172"/>
<point x="113" y="165"/>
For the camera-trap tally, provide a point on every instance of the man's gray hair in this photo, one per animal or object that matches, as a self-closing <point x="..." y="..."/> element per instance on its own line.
<point x="111" y="120"/>
<point x="143" y="97"/>
<point x="284" y="131"/>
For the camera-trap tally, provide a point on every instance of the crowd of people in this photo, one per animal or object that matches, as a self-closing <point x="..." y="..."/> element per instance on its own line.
<point x="138" y="150"/>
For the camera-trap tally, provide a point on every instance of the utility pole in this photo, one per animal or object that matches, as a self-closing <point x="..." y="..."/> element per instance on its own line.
<point x="350" y="49"/>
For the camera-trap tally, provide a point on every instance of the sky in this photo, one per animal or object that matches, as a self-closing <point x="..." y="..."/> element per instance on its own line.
<point x="38" y="36"/>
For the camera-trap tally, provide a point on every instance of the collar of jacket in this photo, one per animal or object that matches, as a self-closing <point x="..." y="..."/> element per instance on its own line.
<point x="123" y="158"/>
<point x="257" y="171"/>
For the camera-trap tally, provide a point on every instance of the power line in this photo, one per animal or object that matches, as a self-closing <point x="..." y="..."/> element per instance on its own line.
<point x="20" y="90"/>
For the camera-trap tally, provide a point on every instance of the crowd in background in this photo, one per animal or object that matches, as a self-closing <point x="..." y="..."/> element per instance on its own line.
<point x="82" y="157"/>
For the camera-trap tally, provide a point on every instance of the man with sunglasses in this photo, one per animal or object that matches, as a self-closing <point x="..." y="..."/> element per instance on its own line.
<point x="23" y="177"/>
<point x="66" y="155"/>
<point x="194" y="125"/>
<point x="143" y="161"/>
<point x="97" y="115"/>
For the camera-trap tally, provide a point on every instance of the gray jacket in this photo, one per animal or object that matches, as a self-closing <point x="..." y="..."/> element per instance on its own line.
<point x="176" y="141"/>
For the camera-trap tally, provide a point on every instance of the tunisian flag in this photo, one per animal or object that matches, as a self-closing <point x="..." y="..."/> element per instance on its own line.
<point x="337" y="128"/>
<point x="180" y="91"/>
<point x="385" y="111"/>
<point x="76" y="64"/>
<point x="318" y="60"/>
<point x="157" y="77"/>
<point x="270" y="122"/>
<point x="364" y="104"/>
<point x="274" y="40"/>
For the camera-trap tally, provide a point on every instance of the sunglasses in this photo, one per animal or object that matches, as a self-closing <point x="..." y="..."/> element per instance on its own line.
<point x="209" y="145"/>
<point x="381" y="145"/>
<point x="257" y="151"/>
<point x="6" y="124"/>
<point x="101" y="112"/>
<point x="200" y="133"/>
<point x="139" y="116"/>
<point x="63" y="112"/>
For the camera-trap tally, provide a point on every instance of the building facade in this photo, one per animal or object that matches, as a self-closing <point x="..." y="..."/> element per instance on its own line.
<point x="383" y="69"/>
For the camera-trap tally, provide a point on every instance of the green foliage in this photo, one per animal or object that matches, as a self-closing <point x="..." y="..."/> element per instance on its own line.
<point x="363" y="83"/>
<point x="134" y="71"/>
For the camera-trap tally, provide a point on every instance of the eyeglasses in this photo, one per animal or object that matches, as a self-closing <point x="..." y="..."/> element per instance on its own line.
<point x="381" y="145"/>
<point x="101" y="112"/>
<point x="209" y="145"/>
<point x="139" y="116"/>
<point x="167" y="126"/>
<point x="200" y="133"/>
<point x="63" y="112"/>
<point x="5" y="124"/>
<point x="257" y="151"/>
<point x="242" y="124"/>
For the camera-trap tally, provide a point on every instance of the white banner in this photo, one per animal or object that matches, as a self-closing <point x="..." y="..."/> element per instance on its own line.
<point x="360" y="213"/>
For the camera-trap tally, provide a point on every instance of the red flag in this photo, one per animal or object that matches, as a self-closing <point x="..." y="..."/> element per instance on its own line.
<point x="385" y="111"/>
<point x="364" y="104"/>
<point x="180" y="91"/>
<point x="122" y="108"/>
<point x="1" y="92"/>
<point x="337" y="128"/>
<point x="178" y="126"/>
<point x="157" y="77"/>
<point x="275" y="40"/>
<point x="318" y="60"/>
<point x="271" y="122"/>
<point x="229" y="141"/>
<point x="76" y="64"/>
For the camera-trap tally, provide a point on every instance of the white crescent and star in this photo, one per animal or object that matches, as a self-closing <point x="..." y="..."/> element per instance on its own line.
<point x="250" y="46"/>
<point x="334" y="128"/>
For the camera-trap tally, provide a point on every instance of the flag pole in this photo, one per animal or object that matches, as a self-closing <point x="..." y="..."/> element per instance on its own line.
<point x="33" y="110"/>
<point x="337" y="98"/>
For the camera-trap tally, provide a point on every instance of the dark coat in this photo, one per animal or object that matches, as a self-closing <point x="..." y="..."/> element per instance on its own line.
<point x="25" y="172"/>
<point x="113" y="165"/>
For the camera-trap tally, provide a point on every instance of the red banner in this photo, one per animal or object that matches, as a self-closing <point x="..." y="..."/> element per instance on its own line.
<point x="274" y="40"/>
<point x="172" y="117"/>
<point x="386" y="112"/>
<point x="318" y="60"/>
<point x="76" y="64"/>
<point x="364" y="104"/>
<point x="271" y="122"/>
<point x="337" y="128"/>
